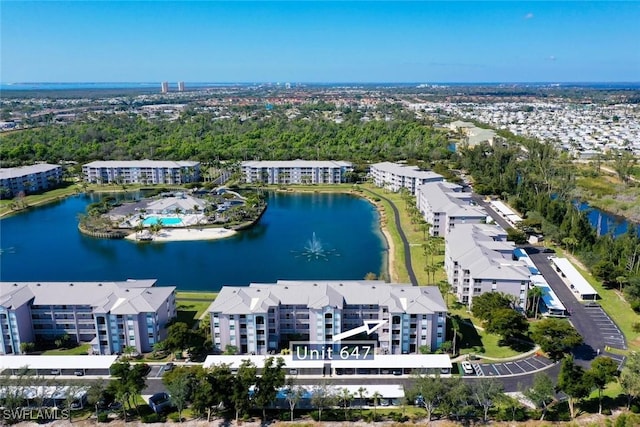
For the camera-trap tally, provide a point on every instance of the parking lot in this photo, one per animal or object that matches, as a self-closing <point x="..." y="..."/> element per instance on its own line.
<point x="515" y="367"/>
<point x="610" y="332"/>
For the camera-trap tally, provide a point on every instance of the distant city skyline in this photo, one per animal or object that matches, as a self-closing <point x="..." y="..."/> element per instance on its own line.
<point x="357" y="42"/>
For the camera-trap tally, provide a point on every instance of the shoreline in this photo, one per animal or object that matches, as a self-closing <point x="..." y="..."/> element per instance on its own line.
<point x="184" y="234"/>
<point x="391" y="255"/>
<point x="168" y="235"/>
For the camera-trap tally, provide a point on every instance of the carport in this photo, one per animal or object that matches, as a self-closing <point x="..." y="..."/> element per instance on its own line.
<point x="57" y="365"/>
<point x="574" y="279"/>
<point x="399" y="364"/>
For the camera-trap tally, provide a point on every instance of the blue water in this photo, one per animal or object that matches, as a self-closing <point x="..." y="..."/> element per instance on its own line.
<point x="604" y="222"/>
<point x="43" y="244"/>
<point x="153" y="220"/>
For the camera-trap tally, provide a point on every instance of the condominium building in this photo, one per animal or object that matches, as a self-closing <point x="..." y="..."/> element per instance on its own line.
<point x="141" y="172"/>
<point x="444" y="206"/>
<point x="296" y="171"/>
<point x="164" y="87"/>
<point x="478" y="259"/>
<point x="393" y="176"/>
<point x="108" y="315"/>
<point x="29" y="179"/>
<point x="180" y="86"/>
<point x="264" y="317"/>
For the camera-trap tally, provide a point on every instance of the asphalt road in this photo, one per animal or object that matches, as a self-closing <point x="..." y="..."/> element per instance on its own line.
<point x="594" y="341"/>
<point x="493" y="214"/>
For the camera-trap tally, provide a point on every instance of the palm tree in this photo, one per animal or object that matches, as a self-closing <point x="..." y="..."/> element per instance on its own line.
<point x="376" y="396"/>
<point x="570" y="243"/>
<point x="622" y="280"/>
<point x="535" y="294"/>
<point x="431" y="271"/>
<point x="196" y="209"/>
<point x="455" y="326"/>
<point x="139" y="227"/>
<point x="346" y="398"/>
<point x="362" y="393"/>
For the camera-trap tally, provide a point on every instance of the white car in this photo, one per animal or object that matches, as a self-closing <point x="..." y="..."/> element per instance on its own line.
<point x="467" y="368"/>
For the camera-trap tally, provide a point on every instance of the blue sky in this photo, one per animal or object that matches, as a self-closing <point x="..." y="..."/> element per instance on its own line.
<point x="308" y="41"/>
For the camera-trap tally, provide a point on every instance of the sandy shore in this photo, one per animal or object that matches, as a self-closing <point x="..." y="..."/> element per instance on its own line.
<point x="391" y="252"/>
<point x="391" y="255"/>
<point x="184" y="234"/>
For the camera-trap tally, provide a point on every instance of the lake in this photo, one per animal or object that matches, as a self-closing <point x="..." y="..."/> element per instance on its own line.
<point x="604" y="222"/>
<point x="300" y="236"/>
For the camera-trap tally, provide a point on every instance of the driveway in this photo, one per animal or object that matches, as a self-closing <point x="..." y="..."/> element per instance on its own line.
<point x="596" y="332"/>
<point x="492" y="213"/>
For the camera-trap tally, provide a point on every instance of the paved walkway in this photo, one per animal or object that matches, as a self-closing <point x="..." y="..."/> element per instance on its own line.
<point x="500" y="359"/>
<point x="403" y="237"/>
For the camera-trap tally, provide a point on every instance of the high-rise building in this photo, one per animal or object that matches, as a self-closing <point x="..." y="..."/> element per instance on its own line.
<point x="180" y="86"/>
<point x="165" y="87"/>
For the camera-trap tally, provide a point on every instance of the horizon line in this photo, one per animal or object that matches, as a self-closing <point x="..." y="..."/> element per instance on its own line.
<point x="328" y="82"/>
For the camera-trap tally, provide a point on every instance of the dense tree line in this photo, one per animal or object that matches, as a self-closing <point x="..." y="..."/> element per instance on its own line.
<point x="538" y="180"/>
<point x="202" y="136"/>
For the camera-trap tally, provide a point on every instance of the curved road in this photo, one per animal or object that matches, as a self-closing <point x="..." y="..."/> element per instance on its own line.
<point x="403" y="237"/>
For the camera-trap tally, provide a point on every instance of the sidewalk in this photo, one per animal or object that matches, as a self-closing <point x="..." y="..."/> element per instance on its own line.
<point x="529" y="353"/>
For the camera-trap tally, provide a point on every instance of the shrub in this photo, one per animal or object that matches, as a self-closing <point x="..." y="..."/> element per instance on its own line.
<point x="103" y="417"/>
<point x="174" y="417"/>
<point x="398" y="417"/>
<point x="152" y="418"/>
<point x="369" y="417"/>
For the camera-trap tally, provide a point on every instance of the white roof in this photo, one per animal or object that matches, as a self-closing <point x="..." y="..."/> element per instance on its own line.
<point x="573" y="276"/>
<point x="57" y="362"/>
<point x="409" y="361"/>
<point x="506" y="211"/>
<point x="296" y="164"/>
<point x="20" y="171"/>
<point x="406" y="171"/>
<point x="141" y="164"/>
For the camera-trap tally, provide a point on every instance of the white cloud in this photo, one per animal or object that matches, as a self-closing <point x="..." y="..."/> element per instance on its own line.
<point x="551" y="58"/>
<point x="528" y="16"/>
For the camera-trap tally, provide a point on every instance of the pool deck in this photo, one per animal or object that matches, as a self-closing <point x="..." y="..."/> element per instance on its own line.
<point x="187" y="234"/>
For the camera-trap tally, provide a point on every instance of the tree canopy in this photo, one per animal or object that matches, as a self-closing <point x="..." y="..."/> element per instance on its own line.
<point x="556" y="337"/>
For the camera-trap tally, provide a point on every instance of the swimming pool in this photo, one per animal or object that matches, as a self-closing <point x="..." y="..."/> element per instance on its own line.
<point x="152" y="220"/>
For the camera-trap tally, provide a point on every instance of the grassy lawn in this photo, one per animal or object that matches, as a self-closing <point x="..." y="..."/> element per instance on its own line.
<point x="616" y="307"/>
<point x="387" y="220"/>
<point x="204" y="296"/>
<point x="414" y="235"/>
<point x="192" y="305"/>
<point x="39" y="199"/>
<point x="473" y="338"/>
<point x="80" y="350"/>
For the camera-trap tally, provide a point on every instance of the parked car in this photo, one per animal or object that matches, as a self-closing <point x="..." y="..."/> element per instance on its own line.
<point x="160" y="402"/>
<point x="169" y="366"/>
<point x="467" y="368"/>
<point x="55" y="372"/>
<point x="78" y="373"/>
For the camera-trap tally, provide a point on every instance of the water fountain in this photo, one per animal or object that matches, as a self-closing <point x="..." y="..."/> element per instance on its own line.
<point x="314" y="250"/>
